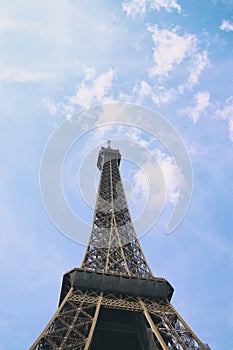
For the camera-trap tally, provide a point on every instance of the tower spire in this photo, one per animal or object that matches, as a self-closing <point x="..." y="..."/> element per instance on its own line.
<point x="113" y="244"/>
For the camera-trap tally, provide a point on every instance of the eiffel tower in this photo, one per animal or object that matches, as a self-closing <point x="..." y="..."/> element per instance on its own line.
<point x="113" y="301"/>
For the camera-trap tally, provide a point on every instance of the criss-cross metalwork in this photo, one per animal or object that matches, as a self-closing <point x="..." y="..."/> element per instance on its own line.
<point x="113" y="301"/>
<point x="113" y="244"/>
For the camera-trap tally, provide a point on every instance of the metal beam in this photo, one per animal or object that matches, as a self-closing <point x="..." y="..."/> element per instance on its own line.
<point x="52" y="320"/>
<point x="153" y="326"/>
<point x="97" y="310"/>
<point x="186" y="326"/>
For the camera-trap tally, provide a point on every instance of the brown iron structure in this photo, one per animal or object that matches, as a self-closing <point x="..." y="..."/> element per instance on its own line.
<point x="113" y="302"/>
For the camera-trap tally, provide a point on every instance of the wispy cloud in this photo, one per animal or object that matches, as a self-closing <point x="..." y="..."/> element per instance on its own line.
<point x="168" y="5"/>
<point x="7" y="25"/>
<point x="166" y="178"/>
<point x="201" y="102"/>
<point x="165" y="80"/>
<point x="46" y="21"/>
<point x="227" y="26"/>
<point x="199" y="62"/>
<point x="93" y="89"/>
<point x="201" y="105"/>
<point x="226" y="113"/>
<point x="135" y="7"/>
<point x="50" y="106"/>
<point x="11" y="73"/>
<point x="158" y="94"/>
<point x="169" y="171"/>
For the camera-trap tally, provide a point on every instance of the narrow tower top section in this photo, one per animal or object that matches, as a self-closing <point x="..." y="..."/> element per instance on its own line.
<point x="107" y="154"/>
<point x="113" y="245"/>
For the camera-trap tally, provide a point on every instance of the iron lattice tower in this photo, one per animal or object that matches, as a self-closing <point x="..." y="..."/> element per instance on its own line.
<point x="113" y="301"/>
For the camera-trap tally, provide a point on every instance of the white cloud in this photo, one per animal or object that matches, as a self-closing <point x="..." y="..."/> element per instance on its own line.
<point x="230" y="128"/>
<point x="135" y="7"/>
<point x="89" y="73"/>
<point x="168" y="5"/>
<point x="93" y="89"/>
<point x="163" y="96"/>
<point x="144" y="90"/>
<point x="11" y="73"/>
<point x="198" y="64"/>
<point x="140" y="184"/>
<point x="135" y="135"/>
<point x="170" y="49"/>
<point x="50" y="106"/>
<point x="201" y="103"/>
<point x="157" y="94"/>
<point x="169" y="171"/>
<point x="226" y="113"/>
<point x="226" y="26"/>
<point x="148" y="190"/>
<point x="162" y="178"/>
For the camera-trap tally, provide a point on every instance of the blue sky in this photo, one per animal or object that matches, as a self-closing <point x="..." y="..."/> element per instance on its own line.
<point x="60" y="57"/>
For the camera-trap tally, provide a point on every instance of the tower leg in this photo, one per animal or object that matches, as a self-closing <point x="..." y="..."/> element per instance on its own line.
<point x="73" y="324"/>
<point x="90" y="336"/>
<point x="168" y="327"/>
<point x="46" y="329"/>
<point x="153" y="326"/>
